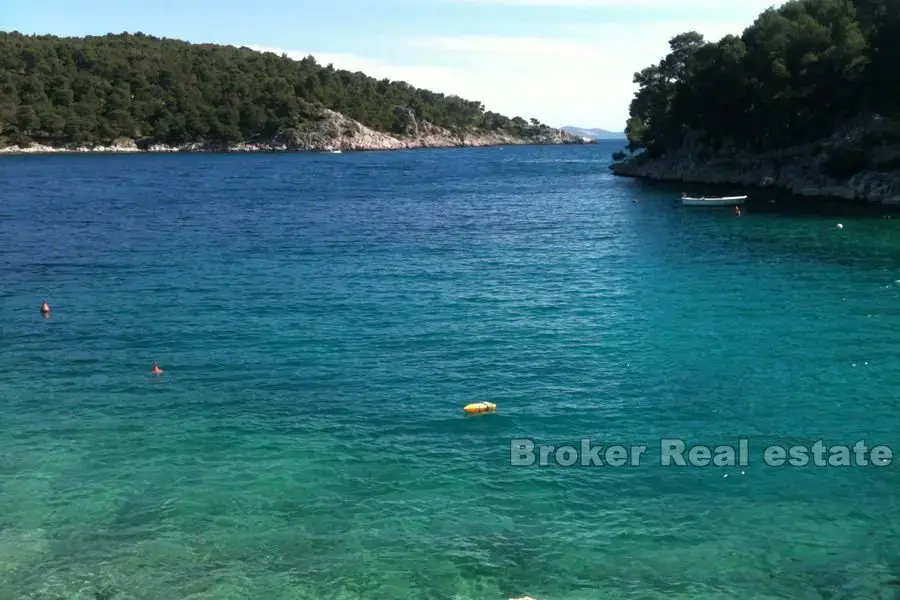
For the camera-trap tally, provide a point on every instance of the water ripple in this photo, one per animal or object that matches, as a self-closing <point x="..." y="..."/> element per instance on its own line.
<point x="322" y="320"/>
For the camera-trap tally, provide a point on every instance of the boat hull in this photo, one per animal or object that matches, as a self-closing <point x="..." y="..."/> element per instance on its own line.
<point x="725" y="201"/>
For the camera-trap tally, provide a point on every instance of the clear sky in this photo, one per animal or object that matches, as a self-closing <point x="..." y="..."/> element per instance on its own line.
<point x="566" y="62"/>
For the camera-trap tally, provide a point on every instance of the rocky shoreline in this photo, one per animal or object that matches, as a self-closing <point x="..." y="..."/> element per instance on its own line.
<point x="859" y="162"/>
<point x="332" y="132"/>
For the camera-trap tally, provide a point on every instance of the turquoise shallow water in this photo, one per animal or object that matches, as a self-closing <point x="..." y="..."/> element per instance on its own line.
<point x="323" y="319"/>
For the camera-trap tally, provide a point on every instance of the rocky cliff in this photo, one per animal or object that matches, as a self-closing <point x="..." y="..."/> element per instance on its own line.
<point x="334" y="131"/>
<point x="860" y="161"/>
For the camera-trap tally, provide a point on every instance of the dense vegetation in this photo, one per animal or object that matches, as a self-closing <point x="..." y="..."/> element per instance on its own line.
<point x="63" y="91"/>
<point x="795" y="74"/>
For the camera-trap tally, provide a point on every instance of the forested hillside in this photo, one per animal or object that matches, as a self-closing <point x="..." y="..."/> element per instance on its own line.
<point x="797" y="73"/>
<point x="73" y="91"/>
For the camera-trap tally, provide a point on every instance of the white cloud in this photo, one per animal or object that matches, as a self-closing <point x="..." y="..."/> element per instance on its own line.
<point x="755" y="6"/>
<point x="585" y="82"/>
<point x="531" y="47"/>
<point x="374" y="68"/>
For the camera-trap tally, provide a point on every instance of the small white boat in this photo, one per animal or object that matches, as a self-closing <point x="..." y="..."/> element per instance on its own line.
<point x="721" y="201"/>
<point x="335" y="151"/>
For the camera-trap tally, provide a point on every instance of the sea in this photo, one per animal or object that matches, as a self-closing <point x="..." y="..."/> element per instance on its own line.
<point x="690" y="404"/>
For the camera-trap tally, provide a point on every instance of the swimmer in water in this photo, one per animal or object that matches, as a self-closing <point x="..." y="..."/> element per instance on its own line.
<point x="155" y="369"/>
<point x="45" y="308"/>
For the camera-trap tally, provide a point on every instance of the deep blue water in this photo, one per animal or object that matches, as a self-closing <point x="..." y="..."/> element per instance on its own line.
<point x="323" y="319"/>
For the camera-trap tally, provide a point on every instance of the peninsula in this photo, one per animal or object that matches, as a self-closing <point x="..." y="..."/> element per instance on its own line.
<point x="134" y="92"/>
<point x="805" y="100"/>
<point x="594" y="133"/>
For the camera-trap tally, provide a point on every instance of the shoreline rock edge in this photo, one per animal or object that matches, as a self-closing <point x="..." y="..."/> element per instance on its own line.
<point x="866" y="153"/>
<point x="332" y="132"/>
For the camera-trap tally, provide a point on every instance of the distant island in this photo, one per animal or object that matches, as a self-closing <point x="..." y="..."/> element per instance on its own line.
<point x="594" y="134"/>
<point x="805" y="100"/>
<point x="133" y="92"/>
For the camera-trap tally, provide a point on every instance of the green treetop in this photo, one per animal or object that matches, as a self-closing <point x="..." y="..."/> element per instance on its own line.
<point x="794" y="75"/>
<point x="64" y="91"/>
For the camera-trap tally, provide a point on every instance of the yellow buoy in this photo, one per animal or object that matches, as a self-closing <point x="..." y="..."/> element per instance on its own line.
<point x="479" y="407"/>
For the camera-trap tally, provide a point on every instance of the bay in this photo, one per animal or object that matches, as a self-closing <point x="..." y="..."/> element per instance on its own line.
<point x="323" y="319"/>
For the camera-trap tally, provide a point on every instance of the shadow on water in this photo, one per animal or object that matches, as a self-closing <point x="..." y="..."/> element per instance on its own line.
<point x="771" y="201"/>
<point x="775" y="227"/>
